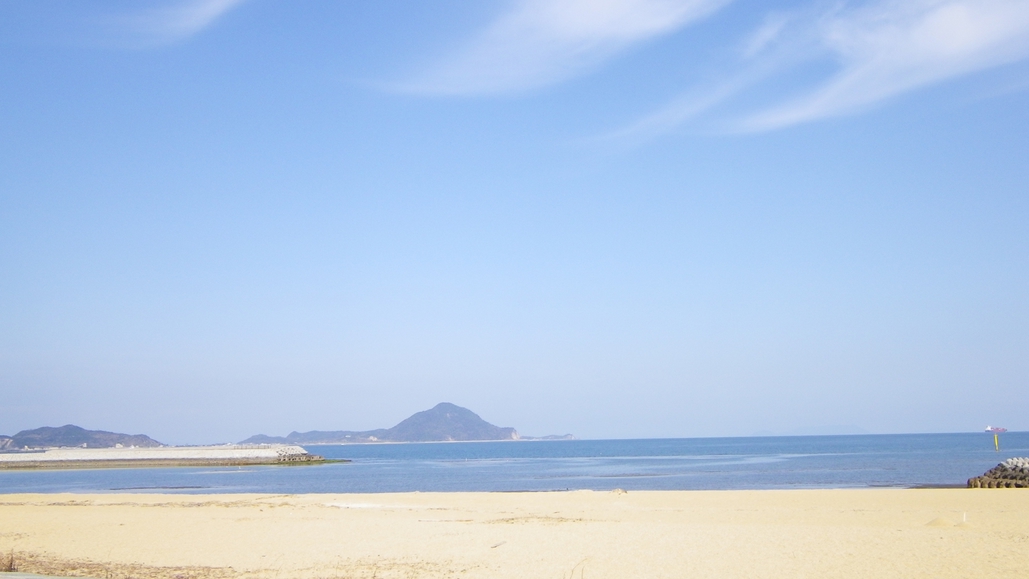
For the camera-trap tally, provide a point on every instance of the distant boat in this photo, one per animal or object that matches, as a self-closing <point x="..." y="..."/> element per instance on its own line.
<point x="995" y="429"/>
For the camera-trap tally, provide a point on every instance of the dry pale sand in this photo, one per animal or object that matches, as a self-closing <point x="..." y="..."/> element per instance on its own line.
<point x="784" y="534"/>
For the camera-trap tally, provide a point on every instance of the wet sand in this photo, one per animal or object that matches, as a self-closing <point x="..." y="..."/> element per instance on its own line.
<point x="895" y="533"/>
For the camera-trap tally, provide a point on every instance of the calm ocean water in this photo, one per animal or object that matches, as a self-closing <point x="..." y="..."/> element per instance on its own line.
<point x="658" y="464"/>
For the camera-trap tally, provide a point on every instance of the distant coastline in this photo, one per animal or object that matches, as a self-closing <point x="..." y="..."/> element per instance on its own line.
<point x="74" y="447"/>
<point x="556" y="438"/>
<point x="444" y="422"/>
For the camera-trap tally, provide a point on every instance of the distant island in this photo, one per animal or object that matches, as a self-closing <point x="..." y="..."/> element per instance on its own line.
<point x="442" y="423"/>
<point x="70" y="435"/>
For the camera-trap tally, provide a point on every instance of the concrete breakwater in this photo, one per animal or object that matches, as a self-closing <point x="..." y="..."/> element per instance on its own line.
<point x="227" y="455"/>
<point x="1012" y="473"/>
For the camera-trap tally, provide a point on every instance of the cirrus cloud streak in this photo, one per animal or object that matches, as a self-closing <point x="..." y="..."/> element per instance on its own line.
<point x="876" y="51"/>
<point x="542" y="42"/>
<point x="170" y="22"/>
<point x="890" y="48"/>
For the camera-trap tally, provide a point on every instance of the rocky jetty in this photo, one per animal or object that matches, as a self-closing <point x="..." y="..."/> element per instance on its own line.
<point x="226" y="455"/>
<point x="1012" y="473"/>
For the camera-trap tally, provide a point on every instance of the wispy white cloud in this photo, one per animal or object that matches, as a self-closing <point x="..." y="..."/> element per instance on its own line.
<point x="894" y="47"/>
<point x="170" y="22"/>
<point x="675" y="113"/>
<point x="540" y="42"/>
<point x="769" y="32"/>
<point x="878" y="50"/>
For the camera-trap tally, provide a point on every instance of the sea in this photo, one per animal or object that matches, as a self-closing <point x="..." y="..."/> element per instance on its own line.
<point x="792" y="462"/>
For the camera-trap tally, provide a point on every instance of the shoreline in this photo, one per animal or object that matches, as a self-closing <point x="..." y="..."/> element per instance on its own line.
<point x="844" y="533"/>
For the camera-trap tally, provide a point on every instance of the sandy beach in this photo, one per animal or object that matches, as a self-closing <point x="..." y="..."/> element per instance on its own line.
<point x="805" y="533"/>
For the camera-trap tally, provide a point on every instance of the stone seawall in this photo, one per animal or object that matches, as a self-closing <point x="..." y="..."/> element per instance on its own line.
<point x="229" y="455"/>
<point x="1012" y="473"/>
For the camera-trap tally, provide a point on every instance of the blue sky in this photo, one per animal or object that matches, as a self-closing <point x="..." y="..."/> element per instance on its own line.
<point x="616" y="218"/>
